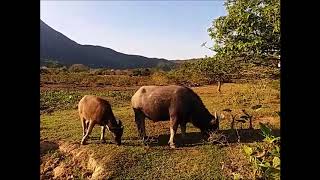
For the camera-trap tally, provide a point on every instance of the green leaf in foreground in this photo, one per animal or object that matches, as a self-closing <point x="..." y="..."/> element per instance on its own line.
<point x="266" y="131"/>
<point x="276" y="162"/>
<point x="247" y="150"/>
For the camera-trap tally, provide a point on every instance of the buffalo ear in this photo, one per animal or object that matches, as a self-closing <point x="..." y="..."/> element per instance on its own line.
<point x="119" y="122"/>
<point x="215" y="119"/>
<point x="222" y="116"/>
<point x="218" y="117"/>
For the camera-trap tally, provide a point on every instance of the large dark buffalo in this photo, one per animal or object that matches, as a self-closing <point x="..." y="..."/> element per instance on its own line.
<point x="177" y="103"/>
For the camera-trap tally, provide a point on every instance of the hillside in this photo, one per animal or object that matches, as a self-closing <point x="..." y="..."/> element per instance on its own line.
<point x="56" y="46"/>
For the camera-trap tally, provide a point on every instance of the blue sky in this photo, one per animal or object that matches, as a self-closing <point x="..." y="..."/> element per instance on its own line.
<point x="161" y="29"/>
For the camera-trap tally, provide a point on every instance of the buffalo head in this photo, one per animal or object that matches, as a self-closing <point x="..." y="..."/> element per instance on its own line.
<point x="117" y="132"/>
<point x="212" y="126"/>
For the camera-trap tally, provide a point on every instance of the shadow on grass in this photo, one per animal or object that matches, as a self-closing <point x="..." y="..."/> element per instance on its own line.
<point x="246" y="135"/>
<point x="195" y="138"/>
<point x="127" y="141"/>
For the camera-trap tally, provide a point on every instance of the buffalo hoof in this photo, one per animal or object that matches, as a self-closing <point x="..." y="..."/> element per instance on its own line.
<point x="172" y="146"/>
<point x="184" y="140"/>
<point x="103" y="141"/>
<point x="145" y="143"/>
<point x="83" y="143"/>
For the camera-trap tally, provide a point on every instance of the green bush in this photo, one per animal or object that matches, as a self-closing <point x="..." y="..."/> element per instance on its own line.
<point x="265" y="157"/>
<point x="160" y="78"/>
<point x="141" y="72"/>
<point x="78" y="68"/>
<point x="50" y="63"/>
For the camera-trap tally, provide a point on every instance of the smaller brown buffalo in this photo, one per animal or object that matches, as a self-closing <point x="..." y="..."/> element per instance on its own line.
<point x="95" y="110"/>
<point x="178" y="104"/>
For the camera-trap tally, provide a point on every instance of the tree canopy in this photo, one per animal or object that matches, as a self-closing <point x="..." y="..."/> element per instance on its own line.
<point x="250" y="30"/>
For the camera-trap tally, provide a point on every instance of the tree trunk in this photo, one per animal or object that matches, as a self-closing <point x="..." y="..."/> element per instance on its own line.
<point x="219" y="86"/>
<point x="250" y="127"/>
<point x="232" y="123"/>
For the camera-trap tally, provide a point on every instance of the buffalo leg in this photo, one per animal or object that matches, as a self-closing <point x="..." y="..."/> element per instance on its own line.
<point x="183" y="128"/>
<point x="87" y="125"/>
<point x="84" y="127"/>
<point x="91" y="125"/>
<point x="103" y="130"/>
<point x="140" y="122"/>
<point x="173" y="131"/>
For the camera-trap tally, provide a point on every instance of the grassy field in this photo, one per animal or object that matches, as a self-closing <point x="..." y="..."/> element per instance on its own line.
<point x="61" y="131"/>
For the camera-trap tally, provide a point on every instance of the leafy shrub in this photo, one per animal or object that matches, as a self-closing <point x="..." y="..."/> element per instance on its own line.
<point x="50" y="63"/>
<point x="78" y="68"/>
<point x="265" y="157"/>
<point x="141" y="72"/>
<point x="160" y="78"/>
<point x="44" y="71"/>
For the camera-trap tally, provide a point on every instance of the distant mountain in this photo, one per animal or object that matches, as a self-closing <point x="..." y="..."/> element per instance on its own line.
<point x="57" y="47"/>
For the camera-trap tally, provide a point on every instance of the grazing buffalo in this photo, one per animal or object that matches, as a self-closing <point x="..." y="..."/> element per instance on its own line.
<point x="95" y="110"/>
<point x="177" y="103"/>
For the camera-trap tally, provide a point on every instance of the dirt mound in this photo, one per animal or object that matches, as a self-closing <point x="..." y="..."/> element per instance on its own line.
<point x="83" y="157"/>
<point x="69" y="160"/>
<point x="49" y="158"/>
<point x="59" y="161"/>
